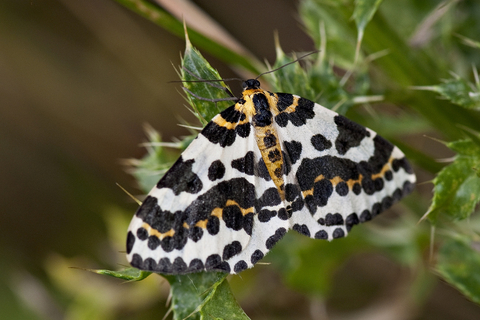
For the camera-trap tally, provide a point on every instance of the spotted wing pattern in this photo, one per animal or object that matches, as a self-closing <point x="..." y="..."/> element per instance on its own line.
<point x="339" y="173"/>
<point x="270" y="163"/>
<point x="209" y="211"/>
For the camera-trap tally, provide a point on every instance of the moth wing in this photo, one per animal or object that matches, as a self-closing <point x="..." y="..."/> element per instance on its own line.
<point x="202" y="215"/>
<point x="338" y="173"/>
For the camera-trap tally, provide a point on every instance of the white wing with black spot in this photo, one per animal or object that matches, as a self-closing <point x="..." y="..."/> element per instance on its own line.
<point x="215" y="209"/>
<point x="338" y="173"/>
<point x="267" y="164"/>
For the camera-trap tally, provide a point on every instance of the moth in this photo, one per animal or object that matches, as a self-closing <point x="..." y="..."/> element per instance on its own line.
<point x="269" y="163"/>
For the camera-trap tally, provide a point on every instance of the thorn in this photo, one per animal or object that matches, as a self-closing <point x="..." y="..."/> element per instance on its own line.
<point x="130" y="195"/>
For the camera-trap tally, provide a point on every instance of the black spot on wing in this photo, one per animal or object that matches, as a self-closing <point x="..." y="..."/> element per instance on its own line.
<point x="402" y="163"/>
<point x="162" y="220"/>
<point x="286" y="165"/>
<point x="293" y="195"/>
<point x="335" y="219"/>
<point x="303" y="229"/>
<point x="351" y="220"/>
<point x="256" y="256"/>
<point x="233" y="217"/>
<point x="381" y="155"/>
<point x="232" y="249"/>
<point x="179" y="266"/>
<point x="271" y="241"/>
<point x="245" y="164"/>
<point x="322" y="190"/>
<point x="322" y="234"/>
<point x="232" y="115"/>
<point x="142" y="234"/>
<point x="265" y="215"/>
<point x="130" y="241"/>
<point x="196" y="265"/>
<point x="303" y="112"/>
<point x="338" y="233"/>
<point x="213" y="225"/>
<point x="350" y="134"/>
<point x="285" y="213"/>
<point x="285" y="100"/>
<point x="330" y="167"/>
<point x="222" y="135"/>
<point x="240" y="266"/>
<point x="262" y="171"/>
<point x="216" y="170"/>
<point x="320" y="143"/>
<point x="181" y="178"/>
<point x="269" y="198"/>
<point x="195" y="233"/>
<point x="148" y="206"/>
<point x="213" y="261"/>
<point x="294" y="150"/>
<point x="341" y="188"/>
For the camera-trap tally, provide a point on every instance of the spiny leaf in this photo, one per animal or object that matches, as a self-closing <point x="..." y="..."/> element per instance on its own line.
<point x="364" y="11"/>
<point x="154" y="164"/>
<point x="458" y="91"/>
<point x="458" y="263"/>
<point x="199" y="68"/>
<point x="129" y="274"/>
<point x="203" y="295"/>
<point x="292" y="78"/>
<point x="457" y="186"/>
<point x="317" y="82"/>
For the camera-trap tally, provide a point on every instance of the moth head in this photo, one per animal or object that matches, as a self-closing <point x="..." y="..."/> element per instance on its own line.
<point x="251" y="84"/>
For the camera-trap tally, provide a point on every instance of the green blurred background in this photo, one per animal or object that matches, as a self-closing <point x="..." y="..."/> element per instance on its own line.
<point x="78" y="80"/>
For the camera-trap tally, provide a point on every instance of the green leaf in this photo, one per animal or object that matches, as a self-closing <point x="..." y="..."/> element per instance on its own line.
<point x="363" y="13"/>
<point x="465" y="147"/>
<point x="199" y="68"/>
<point x="458" y="91"/>
<point x="129" y="274"/>
<point x="154" y="164"/>
<point x="204" y="295"/>
<point x="457" y="186"/>
<point x="317" y="82"/>
<point x="339" y="38"/>
<point x="292" y="78"/>
<point x="458" y="263"/>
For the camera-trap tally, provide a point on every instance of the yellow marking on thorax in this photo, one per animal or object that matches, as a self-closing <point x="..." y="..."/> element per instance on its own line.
<point x="157" y="233"/>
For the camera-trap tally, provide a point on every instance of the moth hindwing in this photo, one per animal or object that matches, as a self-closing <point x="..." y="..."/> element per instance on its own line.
<point x="269" y="163"/>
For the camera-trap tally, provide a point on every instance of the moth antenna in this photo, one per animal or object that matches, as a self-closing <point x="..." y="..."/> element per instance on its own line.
<point x="207" y="99"/>
<point x="294" y="61"/>
<point x="209" y="82"/>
